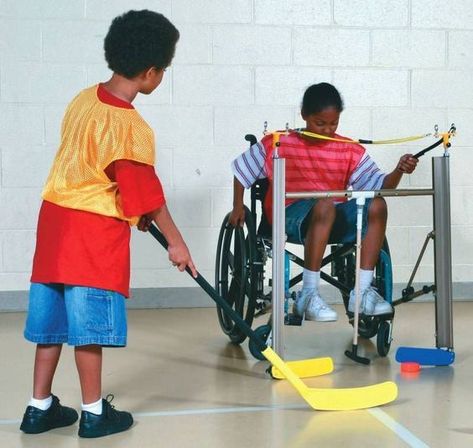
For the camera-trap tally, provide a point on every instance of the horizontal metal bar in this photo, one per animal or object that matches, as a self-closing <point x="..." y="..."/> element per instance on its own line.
<point x="420" y="292"/>
<point x="353" y="193"/>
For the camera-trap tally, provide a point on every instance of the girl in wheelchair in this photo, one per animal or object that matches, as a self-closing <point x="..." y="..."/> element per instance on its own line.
<point x="314" y="164"/>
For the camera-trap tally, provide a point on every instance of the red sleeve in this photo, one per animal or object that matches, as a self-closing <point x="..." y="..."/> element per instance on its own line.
<point x="140" y="189"/>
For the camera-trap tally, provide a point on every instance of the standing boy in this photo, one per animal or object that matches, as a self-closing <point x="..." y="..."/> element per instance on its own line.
<point x="101" y="182"/>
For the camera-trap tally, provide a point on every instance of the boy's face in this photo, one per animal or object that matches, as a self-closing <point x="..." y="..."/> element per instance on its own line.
<point x="151" y="79"/>
<point x="324" y="122"/>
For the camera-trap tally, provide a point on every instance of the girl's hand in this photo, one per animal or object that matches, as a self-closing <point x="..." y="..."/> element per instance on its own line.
<point x="407" y="164"/>
<point x="237" y="217"/>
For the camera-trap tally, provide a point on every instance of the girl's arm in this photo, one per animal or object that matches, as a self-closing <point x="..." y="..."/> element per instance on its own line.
<point x="406" y="165"/>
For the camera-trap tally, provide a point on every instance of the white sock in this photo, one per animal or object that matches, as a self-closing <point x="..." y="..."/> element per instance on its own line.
<point x="95" y="408"/>
<point x="43" y="404"/>
<point x="366" y="277"/>
<point x="310" y="279"/>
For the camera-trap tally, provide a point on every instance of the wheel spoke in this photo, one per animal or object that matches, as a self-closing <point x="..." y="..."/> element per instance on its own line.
<point x="230" y="261"/>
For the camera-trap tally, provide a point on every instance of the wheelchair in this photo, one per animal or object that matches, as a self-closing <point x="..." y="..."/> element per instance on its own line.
<point x="240" y="277"/>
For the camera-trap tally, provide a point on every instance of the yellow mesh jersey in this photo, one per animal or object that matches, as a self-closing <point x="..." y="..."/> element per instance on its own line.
<point x="95" y="134"/>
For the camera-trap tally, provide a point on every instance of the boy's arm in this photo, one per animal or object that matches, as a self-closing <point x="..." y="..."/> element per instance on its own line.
<point x="140" y="192"/>
<point x="179" y="254"/>
<point x="406" y="165"/>
<point x="237" y="215"/>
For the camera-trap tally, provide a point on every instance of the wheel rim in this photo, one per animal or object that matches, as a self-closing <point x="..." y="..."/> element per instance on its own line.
<point x="234" y="274"/>
<point x="230" y="272"/>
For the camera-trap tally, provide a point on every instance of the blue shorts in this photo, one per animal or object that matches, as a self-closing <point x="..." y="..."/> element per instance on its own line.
<point x="77" y="315"/>
<point x="344" y="227"/>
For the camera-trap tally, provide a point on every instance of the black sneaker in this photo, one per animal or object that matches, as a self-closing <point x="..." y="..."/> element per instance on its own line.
<point x="110" y="421"/>
<point x="36" y="421"/>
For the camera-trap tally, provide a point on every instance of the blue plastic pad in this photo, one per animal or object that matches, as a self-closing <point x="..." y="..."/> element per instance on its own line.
<point x="425" y="356"/>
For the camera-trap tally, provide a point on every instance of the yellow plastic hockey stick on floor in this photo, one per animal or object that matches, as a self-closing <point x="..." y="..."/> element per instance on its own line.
<point x="305" y="368"/>
<point x="335" y="399"/>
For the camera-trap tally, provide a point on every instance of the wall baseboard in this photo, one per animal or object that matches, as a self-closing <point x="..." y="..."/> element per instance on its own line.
<point x="142" y="298"/>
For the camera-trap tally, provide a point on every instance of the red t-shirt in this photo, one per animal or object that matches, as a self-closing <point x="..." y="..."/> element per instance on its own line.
<point x="80" y="248"/>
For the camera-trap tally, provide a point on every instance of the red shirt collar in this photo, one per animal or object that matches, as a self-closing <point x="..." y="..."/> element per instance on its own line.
<point x="106" y="97"/>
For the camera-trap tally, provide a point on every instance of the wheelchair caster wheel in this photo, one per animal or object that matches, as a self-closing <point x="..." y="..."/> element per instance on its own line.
<point x="263" y="332"/>
<point x="367" y="326"/>
<point x="383" y="340"/>
<point x="292" y="319"/>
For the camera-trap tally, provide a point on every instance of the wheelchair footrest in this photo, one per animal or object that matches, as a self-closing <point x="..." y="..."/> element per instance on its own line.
<point x="385" y="316"/>
<point x="292" y="319"/>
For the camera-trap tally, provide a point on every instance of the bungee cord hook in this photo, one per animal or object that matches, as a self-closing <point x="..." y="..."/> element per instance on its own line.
<point x="443" y="138"/>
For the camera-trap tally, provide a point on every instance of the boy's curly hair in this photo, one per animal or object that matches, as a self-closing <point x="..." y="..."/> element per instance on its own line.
<point x="139" y="40"/>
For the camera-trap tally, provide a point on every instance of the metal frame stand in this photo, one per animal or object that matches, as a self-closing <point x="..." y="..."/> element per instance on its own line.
<point x="442" y="252"/>
<point x="442" y="244"/>
<point x="279" y="241"/>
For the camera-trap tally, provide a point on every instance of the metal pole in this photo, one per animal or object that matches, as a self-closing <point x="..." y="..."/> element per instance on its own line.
<point x="355" y="193"/>
<point x="442" y="252"/>
<point x="279" y="237"/>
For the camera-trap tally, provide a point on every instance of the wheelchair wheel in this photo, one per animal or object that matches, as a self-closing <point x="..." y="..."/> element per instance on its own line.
<point x="234" y="274"/>
<point x="383" y="340"/>
<point x="263" y="333"/>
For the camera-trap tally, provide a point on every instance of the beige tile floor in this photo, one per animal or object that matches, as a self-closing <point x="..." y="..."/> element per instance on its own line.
<point x="187" y="387"/>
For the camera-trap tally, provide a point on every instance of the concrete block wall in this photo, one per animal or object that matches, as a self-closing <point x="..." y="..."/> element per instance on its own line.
<point x="402" y="66"/>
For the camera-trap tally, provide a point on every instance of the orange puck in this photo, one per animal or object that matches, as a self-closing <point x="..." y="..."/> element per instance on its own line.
<point x="410" y="367"/>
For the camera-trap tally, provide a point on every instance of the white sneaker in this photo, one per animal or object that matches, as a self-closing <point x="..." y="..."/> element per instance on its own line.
<point x="319" y="311"/>
<point x="364" y="307"/>
<point x="301" y="302"/>
<point x="372" y="304"/>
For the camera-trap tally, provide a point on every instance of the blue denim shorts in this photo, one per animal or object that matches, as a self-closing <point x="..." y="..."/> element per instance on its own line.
<point x="344" y="227"/>
<point x="75" y="315"/>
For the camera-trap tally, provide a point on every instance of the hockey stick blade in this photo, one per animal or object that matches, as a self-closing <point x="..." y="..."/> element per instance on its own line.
<point x="425" y="356"/>
<point x="347" y="399"/>
<point x="305" y="368"/>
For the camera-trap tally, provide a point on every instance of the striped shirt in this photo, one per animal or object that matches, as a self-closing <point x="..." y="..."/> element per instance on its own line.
<point x="249" y="166"/>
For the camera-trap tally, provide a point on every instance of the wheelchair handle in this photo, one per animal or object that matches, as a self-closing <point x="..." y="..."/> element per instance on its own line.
<point x="251" y="138"/>
<point x="205" y="285"/>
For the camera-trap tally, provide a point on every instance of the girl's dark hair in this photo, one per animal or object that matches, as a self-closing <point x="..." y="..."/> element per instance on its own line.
<point x="319" y="97"/>
<point x="139" y="40"/>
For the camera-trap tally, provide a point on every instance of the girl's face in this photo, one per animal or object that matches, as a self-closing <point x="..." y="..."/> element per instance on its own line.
<point x="324" y="122"/>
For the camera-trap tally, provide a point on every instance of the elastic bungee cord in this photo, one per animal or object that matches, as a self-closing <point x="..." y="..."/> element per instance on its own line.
<point x="444" y="138"/>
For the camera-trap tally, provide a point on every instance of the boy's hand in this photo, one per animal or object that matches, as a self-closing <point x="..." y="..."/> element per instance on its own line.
<point x="180" y="257"/>
<point x="237" y="216"/>
<point x="407" y="164"/>
<point x="144" y="223"/>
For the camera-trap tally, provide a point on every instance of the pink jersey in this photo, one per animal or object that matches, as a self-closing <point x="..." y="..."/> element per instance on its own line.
<point x="311" y="165"/>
